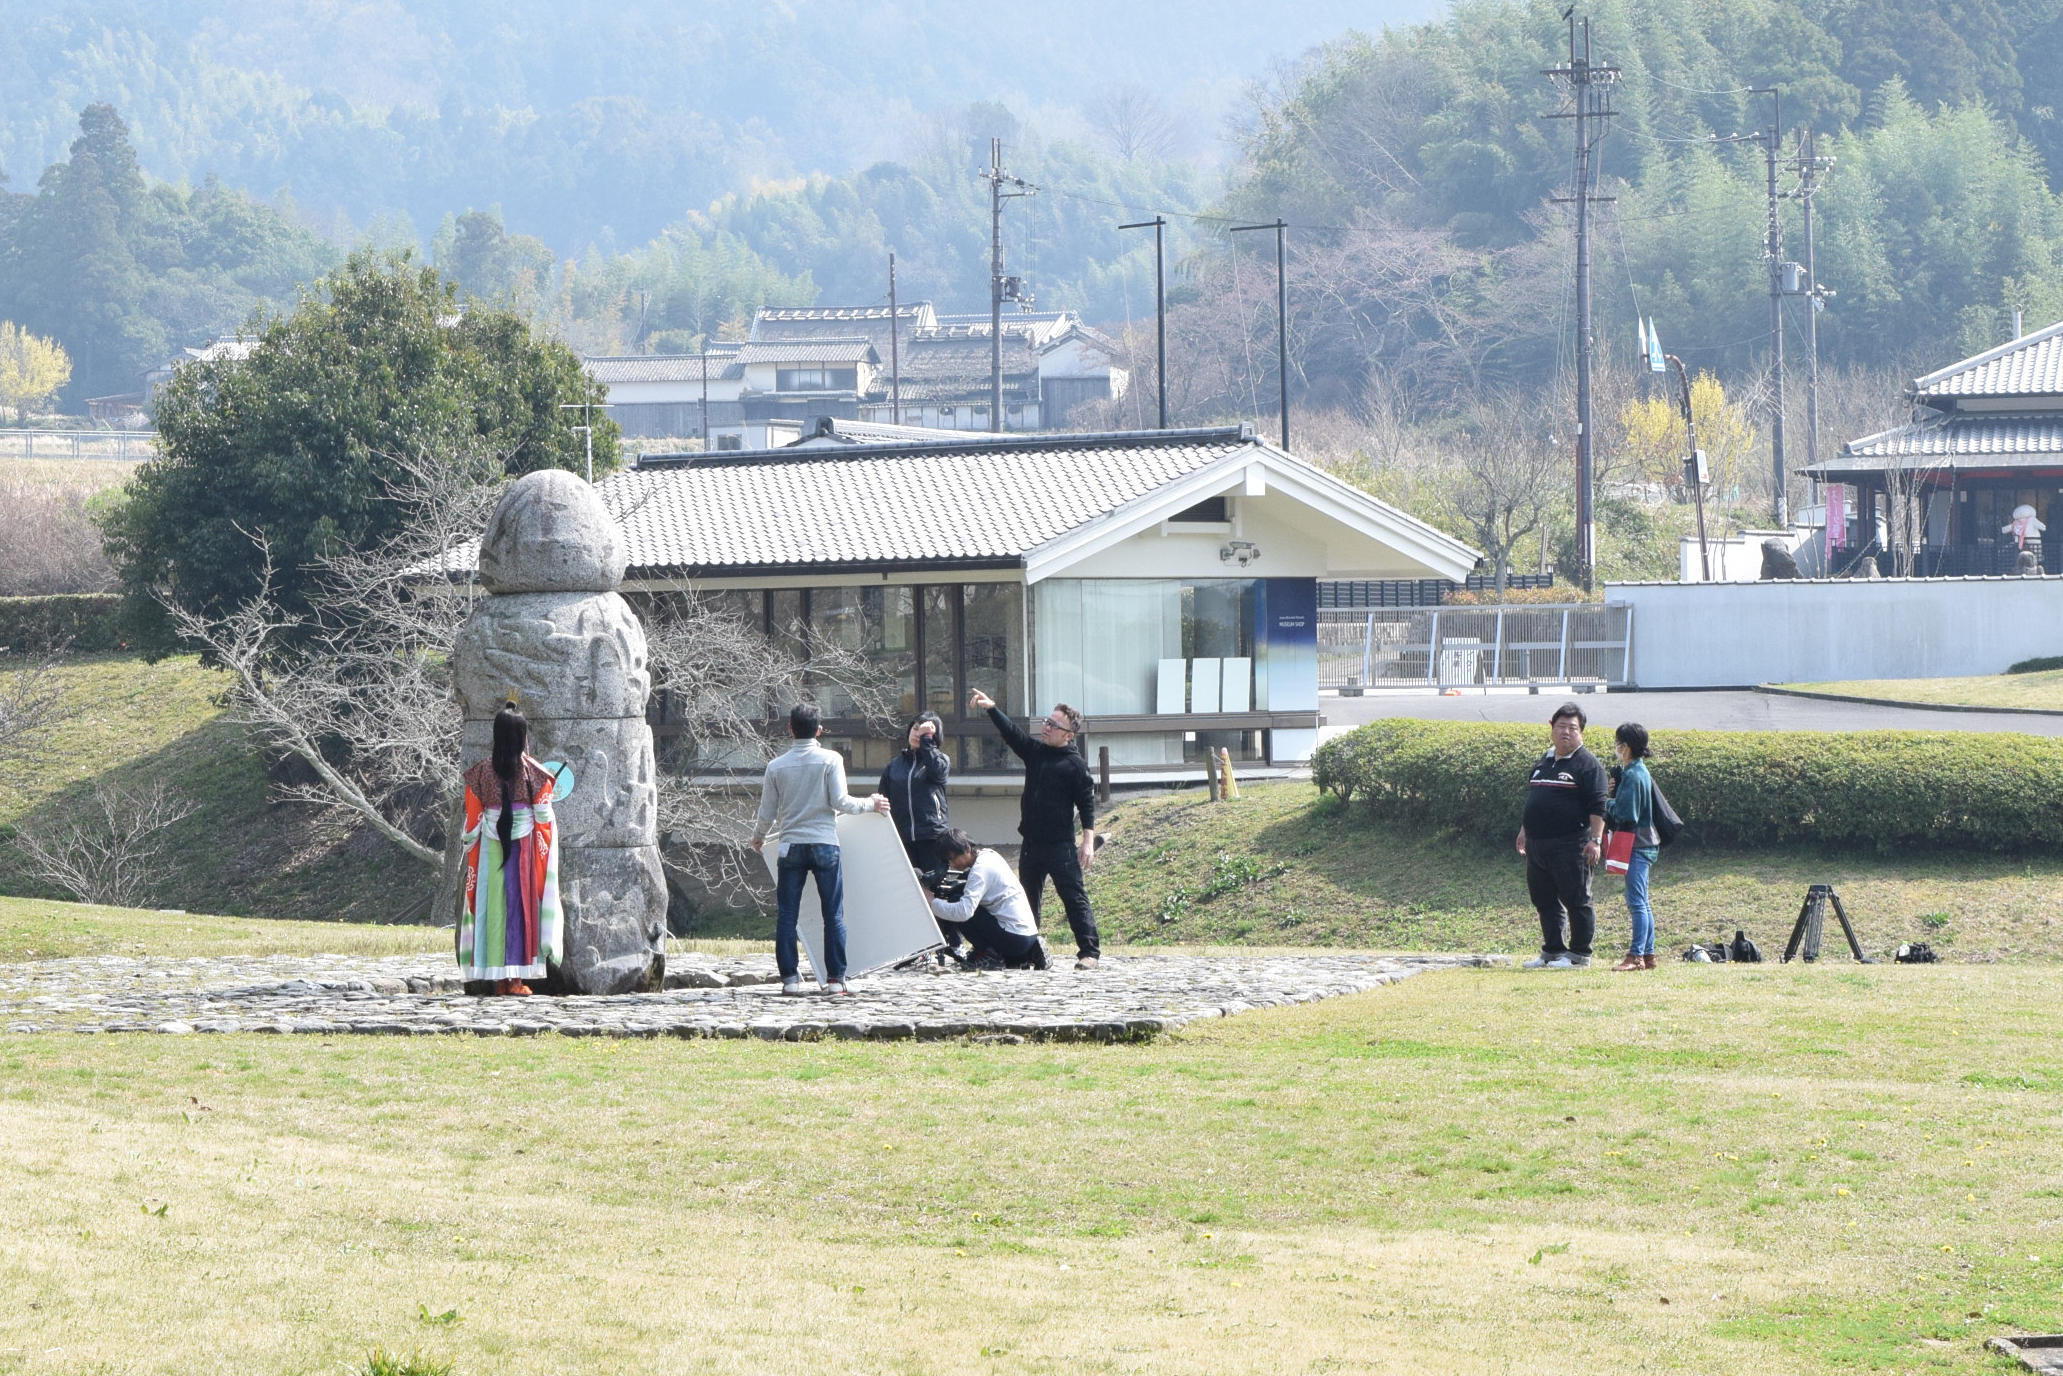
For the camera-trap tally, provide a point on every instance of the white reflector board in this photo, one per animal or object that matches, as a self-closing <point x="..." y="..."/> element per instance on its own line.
<point x="1171" y="690"/>
<point x="887" y="918"/>
<point x="1239" y="686"/>
<point x="1206" y="679"/>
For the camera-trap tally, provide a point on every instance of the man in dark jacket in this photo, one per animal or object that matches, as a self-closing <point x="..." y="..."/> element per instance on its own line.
<point x="1057" y="788"/>
<point x="1561" y="836"/>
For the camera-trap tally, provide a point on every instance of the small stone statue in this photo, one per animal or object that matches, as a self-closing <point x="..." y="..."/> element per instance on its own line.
<point x="555" y="635"/>
<point x="1777" y="561"/>
<point x="2026" y="565"/>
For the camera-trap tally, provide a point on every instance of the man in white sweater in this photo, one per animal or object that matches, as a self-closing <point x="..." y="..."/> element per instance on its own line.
<point x="993" y="910"/>
<point x="800" y="799"/>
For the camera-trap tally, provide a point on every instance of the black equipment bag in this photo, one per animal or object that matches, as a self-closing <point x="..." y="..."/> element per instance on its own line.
<point x="1668" y="826"/>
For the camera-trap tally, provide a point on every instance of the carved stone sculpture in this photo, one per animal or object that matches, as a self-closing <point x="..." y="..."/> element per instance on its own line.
<point x="1777" y="561"/>
<point x="555" y="635"/>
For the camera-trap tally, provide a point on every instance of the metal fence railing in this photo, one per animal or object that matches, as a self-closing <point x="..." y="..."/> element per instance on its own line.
<point x="1449" y="647"/>
<point x="1414" y="592"/>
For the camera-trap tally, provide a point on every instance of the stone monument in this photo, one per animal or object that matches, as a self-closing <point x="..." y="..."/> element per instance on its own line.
<point x="555" y="635"/>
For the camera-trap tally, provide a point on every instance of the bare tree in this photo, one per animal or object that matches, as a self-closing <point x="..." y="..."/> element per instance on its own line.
<point x="368" y="710"/>
<point x="111" y="852"/>
<point x="32" y="701"/>
<point x="1506" y="479"/>
<point x="1135" y="122"/>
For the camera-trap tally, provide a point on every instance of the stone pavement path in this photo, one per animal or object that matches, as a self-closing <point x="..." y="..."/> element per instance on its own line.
<point x="1129" y="997"/>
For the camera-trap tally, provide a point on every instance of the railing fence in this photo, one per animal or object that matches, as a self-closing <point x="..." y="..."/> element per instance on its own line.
<point x="1459" y="646"/>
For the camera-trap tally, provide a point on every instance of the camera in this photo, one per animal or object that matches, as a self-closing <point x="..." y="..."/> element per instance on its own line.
<point x="945" y="883"/>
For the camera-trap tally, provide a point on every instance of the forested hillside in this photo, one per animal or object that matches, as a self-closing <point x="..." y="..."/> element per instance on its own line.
<point x="636" y="180"/>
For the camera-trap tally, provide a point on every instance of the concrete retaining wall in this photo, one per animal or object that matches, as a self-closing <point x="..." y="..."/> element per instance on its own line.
<point x="1722" y="635"/>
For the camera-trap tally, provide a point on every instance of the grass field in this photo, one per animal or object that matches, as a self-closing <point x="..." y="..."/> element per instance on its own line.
<point x="2040" y="691"/>
<point x="1709" y="1169"/>
<point x="1284" y="864"/>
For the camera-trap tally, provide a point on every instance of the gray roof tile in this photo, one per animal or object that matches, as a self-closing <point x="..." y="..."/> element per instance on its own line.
<point x="661" y="367"/>
<point x="955" y="500"/>
<point x="2029" y="366"/>
<point x="828" y="349"/>
<point x="1962" y="439"/>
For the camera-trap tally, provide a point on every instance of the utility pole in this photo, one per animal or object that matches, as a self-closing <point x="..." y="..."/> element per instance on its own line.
<point x="999" y="286"/>
<point x="1810" y="167"/>
<point x="1281" y="318"/>
<point x="1693" y="471"/>
<point x="1773" y="254"/>
<point x="1590" y="87"/>
<point x="895" y="356"/>
<point x="587" y="430"/>
<point x="1160" y="312"/>
<point x="705" y="394"/>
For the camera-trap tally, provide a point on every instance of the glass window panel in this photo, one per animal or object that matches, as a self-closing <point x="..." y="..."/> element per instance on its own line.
<point x="941" y="651"/>
<point x="877" y="626"/>
<point x="995" y="642"/>
<point x="1100" y="641"/>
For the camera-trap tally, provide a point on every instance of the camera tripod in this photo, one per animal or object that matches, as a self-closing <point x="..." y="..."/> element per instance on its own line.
<point x="1812" y="920"/>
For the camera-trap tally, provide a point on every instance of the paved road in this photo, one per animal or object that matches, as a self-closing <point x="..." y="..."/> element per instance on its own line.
<point x="1715" y="711"/>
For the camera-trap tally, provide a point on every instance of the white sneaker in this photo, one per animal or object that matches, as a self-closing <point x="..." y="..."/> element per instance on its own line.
<point x="837" y="986"/>
<point x="792" y="985"/>
<point x="1542" y="962"/>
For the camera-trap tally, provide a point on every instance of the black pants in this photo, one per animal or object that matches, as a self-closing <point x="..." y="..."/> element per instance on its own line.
<point x="1558" y="882"/>
<point x="988" y="938"/>
<point x="925" y="856"/>
<point x="1039" y="860"/>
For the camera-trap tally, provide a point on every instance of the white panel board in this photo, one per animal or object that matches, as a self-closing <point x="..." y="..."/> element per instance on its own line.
<point x="1239" y="686"/>
<point x="1206" y="681"/>
<point x="887" y="919"/>
<point x="1171" y="690"/>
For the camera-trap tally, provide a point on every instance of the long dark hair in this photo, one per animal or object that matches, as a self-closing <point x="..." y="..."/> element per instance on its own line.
<point x="511" y="735"/>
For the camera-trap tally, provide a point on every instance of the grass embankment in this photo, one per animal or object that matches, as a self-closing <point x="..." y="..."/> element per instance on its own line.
<point x="2040" y="691"/>
<point x="1781" y="1170"/>
<point x="239" y="851"/>
<point x="1284" y="864"/>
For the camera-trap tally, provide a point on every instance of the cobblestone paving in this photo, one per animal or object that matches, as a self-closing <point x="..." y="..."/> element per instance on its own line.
<point x="1127" y="998"/>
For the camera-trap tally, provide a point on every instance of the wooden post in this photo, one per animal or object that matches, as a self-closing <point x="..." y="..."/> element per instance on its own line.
<point x="1103" y="774"/>
<point x="1231" y="785"/>
<point x="1210" y="772"/>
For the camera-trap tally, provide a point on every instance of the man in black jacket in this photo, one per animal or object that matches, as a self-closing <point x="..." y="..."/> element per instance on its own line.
<point x="1057" y="787"/>
<point x="1560" y="837"/>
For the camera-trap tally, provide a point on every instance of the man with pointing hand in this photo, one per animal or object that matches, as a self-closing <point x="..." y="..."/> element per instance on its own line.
<point x="1057" y="788"/>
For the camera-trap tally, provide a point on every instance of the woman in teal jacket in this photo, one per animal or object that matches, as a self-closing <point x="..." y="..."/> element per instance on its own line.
<point x="1632" y="808"/>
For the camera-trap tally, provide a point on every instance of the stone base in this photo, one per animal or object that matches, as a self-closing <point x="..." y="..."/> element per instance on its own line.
<point x="615" y="904"/>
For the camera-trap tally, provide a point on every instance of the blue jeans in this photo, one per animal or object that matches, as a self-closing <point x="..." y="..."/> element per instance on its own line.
<point x="1637" y="901"/>
<point x="801" y="861"/>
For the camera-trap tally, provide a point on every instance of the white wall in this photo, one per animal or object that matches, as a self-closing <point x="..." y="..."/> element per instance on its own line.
<point x="1718" y="635"/>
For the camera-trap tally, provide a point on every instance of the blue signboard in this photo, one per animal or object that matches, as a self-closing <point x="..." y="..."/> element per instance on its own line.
<point x="1289" y="642"/>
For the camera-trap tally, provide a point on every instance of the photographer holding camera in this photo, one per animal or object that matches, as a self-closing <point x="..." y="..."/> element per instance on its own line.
<point x="915" y="785"/>
<point x="990" y="906"/>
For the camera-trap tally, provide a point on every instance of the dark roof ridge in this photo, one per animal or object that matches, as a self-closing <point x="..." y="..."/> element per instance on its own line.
<point x="949" y="442"/>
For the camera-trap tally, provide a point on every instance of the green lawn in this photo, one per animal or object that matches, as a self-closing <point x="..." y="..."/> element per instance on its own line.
<point x="1283" y="864"/>
<point x="2043" y="690"/>
<point x="40" y="929"/>
<point x="1706" y="1169"/>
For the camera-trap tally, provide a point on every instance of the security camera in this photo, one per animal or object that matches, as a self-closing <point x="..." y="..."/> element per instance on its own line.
<point x="1241" y="552"/>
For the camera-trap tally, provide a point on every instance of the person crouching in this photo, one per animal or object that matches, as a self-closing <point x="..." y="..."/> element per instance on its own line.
<point x="992" y="910"/>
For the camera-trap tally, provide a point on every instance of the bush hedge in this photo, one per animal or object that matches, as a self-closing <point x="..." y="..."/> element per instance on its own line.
<point x="1880" y="790"/>
<point x="2036" y="666"/>
<point x="89" y="621"/>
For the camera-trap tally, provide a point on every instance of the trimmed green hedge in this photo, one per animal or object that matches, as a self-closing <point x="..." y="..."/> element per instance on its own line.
<point x="1880" y="790"/>
<point x="83" y="621"/>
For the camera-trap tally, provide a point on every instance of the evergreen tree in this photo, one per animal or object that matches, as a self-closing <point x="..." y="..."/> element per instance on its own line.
<point x="298" y="444"/>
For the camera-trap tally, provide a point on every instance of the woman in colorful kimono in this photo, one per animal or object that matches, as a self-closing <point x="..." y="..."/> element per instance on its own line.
<point x="511" y="930"/>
